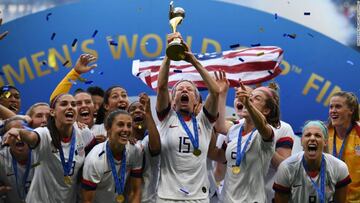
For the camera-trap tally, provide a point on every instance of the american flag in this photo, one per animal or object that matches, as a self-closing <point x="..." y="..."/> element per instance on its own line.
<point x="252" y="65"/>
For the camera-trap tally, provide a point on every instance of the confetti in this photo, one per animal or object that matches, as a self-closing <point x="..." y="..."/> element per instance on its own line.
<point x="269" y="71"/>
<point x="137" y="75"/>
<point x="92" y="71"/>
<point x="72" y="82"/>
<point x="256" y="45"/>
<point x="261" y="29"/>
<point x="74" y="42"/>
<point x="310" y="35"/>
<point x="101" y="73"/>
<point x="113" y="43"/>
<point x="94" y="34"/>
<point x="260" y="54"/>
<point x="276" y="16"/>
<point x="292" y="36"/>
<point x="350" y="62"/>
<point x="65" y="63"/>
<point x="177" y="71"/>
<point x="44" y="63"/>
<point x="233" y="46"/>
<point x="53" y="36"/>
<point x="3" y="35"/>
<point x="242" y="60"/>
<point x="82" y="79"/>
<point x="306" y="13"/>
<point x="47" y="16"/>
<point x="5" y="88"/>
<point x="89" y="82"/>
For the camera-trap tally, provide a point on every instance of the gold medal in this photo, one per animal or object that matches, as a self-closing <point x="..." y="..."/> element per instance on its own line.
<point x="67" y="180"/>
<point x="236" y="169"/>
<point x="120" y="198"/>
<point x="139" y="127"/>
<point x="197" y="152"/>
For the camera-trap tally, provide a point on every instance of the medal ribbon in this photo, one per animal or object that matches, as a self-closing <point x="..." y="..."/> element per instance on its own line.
<point x="241" y="153"/>
<point x="119" y="184"/>
<point x="194" y="139"/>
<point x="320" y="191"/>
<point x="22" y="194"/>
<point x="67" y="165"/>
<point x="339" y="156"/>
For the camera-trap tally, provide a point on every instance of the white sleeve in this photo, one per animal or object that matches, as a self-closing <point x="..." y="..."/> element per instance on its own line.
<point x="282" y="182"/>
<point x="91" y="172"/>
<point x="220" y="140"/>
<point x="137" y="162"/>
<point x="87" y="136"/>
<point x="45" y="140"/>
<point x="342" y="172"/>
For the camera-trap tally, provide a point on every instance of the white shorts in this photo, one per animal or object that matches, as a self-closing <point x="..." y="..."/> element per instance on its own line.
<point x="159" y="200"/>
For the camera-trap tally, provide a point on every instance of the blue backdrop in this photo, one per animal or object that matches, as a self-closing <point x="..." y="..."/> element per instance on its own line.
<point x="314" y="65"/>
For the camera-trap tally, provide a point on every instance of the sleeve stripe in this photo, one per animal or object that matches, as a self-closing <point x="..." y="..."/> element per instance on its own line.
<point x="286" y="142"/>
<point x="88" y="185"/>
<point x="281" y="189"/>
<point x="343" y="182"/>
<point x="210" y="117"/>
<point x="136" y="173"/>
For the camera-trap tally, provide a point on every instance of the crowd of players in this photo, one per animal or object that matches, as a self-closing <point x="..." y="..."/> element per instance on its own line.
<point x="96" y="146"/>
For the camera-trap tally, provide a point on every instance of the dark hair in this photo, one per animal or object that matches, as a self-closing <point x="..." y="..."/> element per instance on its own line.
<point x="95" y="90"/>
<point x="100" y="117"/>
<point x="352" y="102"/>
<point x="110" y="118"/>
<point x="54" y="132"/>
<point x="272" y="103"/>
<point x="79" y="90"/>
<point x="4" y="129"/>
<point x="6" y="88"/>
<point x="132" y="103"/>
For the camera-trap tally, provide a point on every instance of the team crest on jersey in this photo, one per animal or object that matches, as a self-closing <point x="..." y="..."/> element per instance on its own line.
<point x="357" y="150"/>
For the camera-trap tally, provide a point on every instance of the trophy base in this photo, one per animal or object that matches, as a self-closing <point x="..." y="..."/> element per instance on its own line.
<point x="175" y="51"/>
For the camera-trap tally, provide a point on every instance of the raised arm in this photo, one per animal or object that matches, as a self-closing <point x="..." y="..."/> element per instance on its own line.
<point x="257" y="117"/>
<point x="29" y="137"/>
<point x="154" y="137"/>
<point x="211" y="103"/>
<point x="163" y="99"/>
<point x="81" y="66"/>
<point x="223" y="84"/>
<point x="6" y="113"/>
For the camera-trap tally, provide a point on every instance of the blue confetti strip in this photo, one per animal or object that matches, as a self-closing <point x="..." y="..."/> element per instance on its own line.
<point x="310" y="35"/>
<point x="276" y="16"/>
<point x="306" y="13"/>
<point x="177" y="71"/>
<point x="101" y="73"/>
<point x="94" y="34"/>
<point x="74" y="42"/>
<point x="44" y="63"/>
<point x="66" y="62"/>
<point x="89" y="82"/>
<point x="256" y="45"/>
<point x="270" y="72"/>
<point x="234" y="46"/>
<point x="137" y="75"/>
<point x="53" y="36"/>
<point x="242" y="60"/>
<point x="113" y="43"/>
<point x="47" y="16"/>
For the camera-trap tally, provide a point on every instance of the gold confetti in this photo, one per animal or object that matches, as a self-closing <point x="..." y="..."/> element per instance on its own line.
<point x="52" y="60"/>
<point x="260" y="53"/>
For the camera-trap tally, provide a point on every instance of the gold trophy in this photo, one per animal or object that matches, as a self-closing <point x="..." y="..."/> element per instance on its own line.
<point x="176" y="50"/>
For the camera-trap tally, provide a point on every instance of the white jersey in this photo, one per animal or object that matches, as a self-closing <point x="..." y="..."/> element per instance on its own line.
<point x="249" y="184"/>
<point x="292" y="178"/>
<point x="98" y="129"/>
<point x="48" y="182"/>
<point x="151" y="172"/>
<point x="284" y="138"/>
<point x="7" y="176"/>
<point x="183" y="176"/>
<point x="97" y="173"/>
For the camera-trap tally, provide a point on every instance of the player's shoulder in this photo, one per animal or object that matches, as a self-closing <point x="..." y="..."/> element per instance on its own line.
<point x="97" y="153"/>
<point x="334" y="162"/>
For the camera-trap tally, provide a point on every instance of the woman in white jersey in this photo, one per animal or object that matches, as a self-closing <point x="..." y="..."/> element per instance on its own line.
<point x="250" y="146"/>
<point x="16" y="165"/>
<point x="312" y="176"/>
<point x="111" y="164"/>
<point x="184" y="137"/>
<point x="145" y="131"/>
<point x="60" y="149"/>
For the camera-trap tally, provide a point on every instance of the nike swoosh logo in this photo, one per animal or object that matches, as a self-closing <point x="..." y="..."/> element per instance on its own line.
<point x="173" y="126"/>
